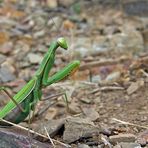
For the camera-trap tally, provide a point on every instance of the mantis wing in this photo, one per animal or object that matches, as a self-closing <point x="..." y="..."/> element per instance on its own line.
<point x="19" y="97"/>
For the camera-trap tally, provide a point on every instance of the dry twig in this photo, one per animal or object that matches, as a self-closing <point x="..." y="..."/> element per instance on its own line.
<point x="128" y="123"/>
<point x="103" y="63"/>
<point x="107" y="88"/>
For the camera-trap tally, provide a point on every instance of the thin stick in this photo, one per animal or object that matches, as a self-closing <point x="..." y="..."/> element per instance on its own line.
<point x="61" y="143"/>
<point x="103" y="63"/>
<point x="145" y="73"/>
<point x="107" y="143"/>
<point x="53" y="140"/>
<point x="24" y="128"/>
<point x="128" y="123"/>
<point x="36" y="133"/>
<point x="107" y="88"/>
<point x="51" y="103"/>
<point x="53" y="96"/>
<point x="49" y="137"/>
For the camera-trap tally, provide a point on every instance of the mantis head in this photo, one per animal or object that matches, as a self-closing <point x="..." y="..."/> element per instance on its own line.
<point x="62" y="43"/>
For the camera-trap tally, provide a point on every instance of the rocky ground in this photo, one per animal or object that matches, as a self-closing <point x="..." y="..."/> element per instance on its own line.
<point x="107" y="96"/>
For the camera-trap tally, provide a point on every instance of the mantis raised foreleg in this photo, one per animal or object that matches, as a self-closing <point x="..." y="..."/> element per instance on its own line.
<point x="19" y="107"/>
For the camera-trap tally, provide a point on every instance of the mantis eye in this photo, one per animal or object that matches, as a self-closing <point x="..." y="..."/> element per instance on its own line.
<point x="62" y="42"/>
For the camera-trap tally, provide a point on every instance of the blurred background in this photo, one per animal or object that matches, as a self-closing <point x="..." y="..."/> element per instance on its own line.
<point x="92" y="28"/>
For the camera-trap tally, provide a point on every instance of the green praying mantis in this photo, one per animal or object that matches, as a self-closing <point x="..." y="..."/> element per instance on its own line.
<point x="20" y="105"/>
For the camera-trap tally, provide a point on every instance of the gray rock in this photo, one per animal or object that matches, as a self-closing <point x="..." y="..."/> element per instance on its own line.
<point x="6" y="74"/>
<point x="75" y="128"/>
<point x="117" y="146"/>
<point x="136" y="7"/>
<point x="38" y="20"/>
<point x="129" y="145"/>
<point x="6" y="48"/>
<point x="91" y="113"/>
<point x="52" y="126"/>
<point x="39" y="34"/>
<point x="2" y="58"/>
<point x="135" y="86"/>
<point x="14" y="140"/>
<point x="129" y="40"/>
<point x="83" y="146"/>
<point x="100" y="44"/>
<point x="114" y="76"/>
<point x="34" y="58"/>
<point x="83" y="47"/>
<point x="96" y="78"/>
<point x="142" y="138"/>
<point x="122" y="138"/>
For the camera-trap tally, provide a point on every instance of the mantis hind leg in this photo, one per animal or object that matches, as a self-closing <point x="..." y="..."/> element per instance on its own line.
<point x="8" y="94"/>
<point x="37" y="96"/>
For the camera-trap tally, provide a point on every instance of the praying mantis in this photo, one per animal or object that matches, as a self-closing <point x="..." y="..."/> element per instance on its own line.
<point x="20" y="105"/>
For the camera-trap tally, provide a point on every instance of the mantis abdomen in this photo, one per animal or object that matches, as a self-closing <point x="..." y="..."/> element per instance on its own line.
<point x="16" y="115"/>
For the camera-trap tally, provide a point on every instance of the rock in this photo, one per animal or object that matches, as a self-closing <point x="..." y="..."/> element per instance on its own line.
<point x="136" y="7"/>
<point x="96" y="78"/>
<point x="107" y="132"/>
<point x="122" y="138"/>
<point x="86" y="100"/>
<point x="17" y="140"/>
<point x="135" y="86"/>
<point x="100" y="44"/>
<point x="52" y="4"/>
<point x="9" y="64"/>
<point x="24" y="64"/>
<point x="34" y="58"/>
<point x="129" y="145"/>
<point x="128" y="40"/>
<point x="6" y="74"/>
<point x="73" y="108"/>
<point x="39" y="34"/>
<point x="91" y="114"/>
<point x="52" y="126"/>
<point x="117" y="146"/>
<point x="68" y="25"/>
<point x="75" y="128"/>
<point x="4" y="37"/>
<point x="111" y="30"/>
<point x="83" y="146"/>
<point x="6" y="48"/>
<point x="142" y="138"/>
<point x="38" y="21"/>
<point x="83" y="47"/>
<point x="114" y="76"/>
<point x="22" y="48"/>
<point x="25" y="74"/>
<point x="2" y="58"/>
<point x="51" y="114"/>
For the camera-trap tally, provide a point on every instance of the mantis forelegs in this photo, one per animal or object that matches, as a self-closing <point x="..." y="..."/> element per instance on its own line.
<point x="66" y="71"/>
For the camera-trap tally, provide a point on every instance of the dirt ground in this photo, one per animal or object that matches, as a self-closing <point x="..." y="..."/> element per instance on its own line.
<point x="107" y="97"/>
